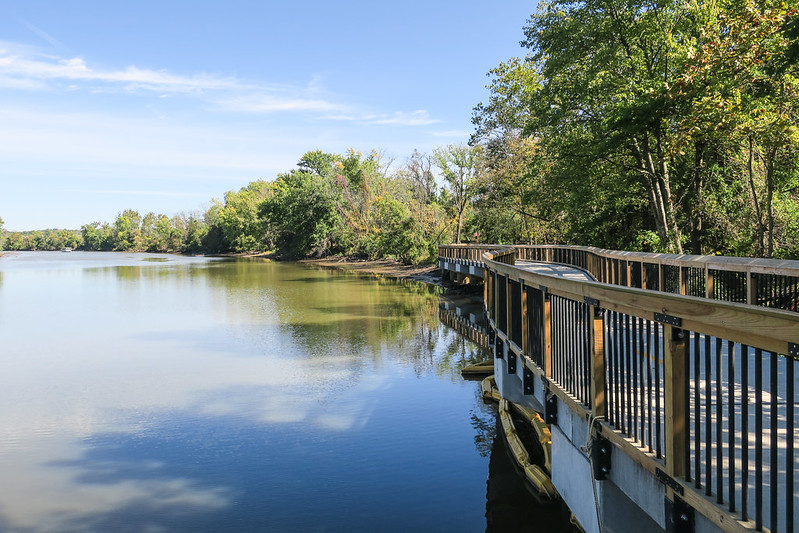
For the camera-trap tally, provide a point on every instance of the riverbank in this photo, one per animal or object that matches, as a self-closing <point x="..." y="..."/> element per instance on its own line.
<point x="382" y="267"/>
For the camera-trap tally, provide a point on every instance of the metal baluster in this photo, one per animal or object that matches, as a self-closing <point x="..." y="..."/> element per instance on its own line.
<point x="758" y="438"/>
<point x="790" y="464"/>
<point x="649" y="383"/>
<point x="773" y="425"/>
<point x="708" y="421"/>
<point x="744" y="431"/>
<point x="718" y="422"/>
<point x="657" y="339"/>
<point x="731" y="416"/>
<point x="697" y="414"/>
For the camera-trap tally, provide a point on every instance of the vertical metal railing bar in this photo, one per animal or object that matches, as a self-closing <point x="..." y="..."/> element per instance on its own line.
<point x="637" y="405"/>
<point x="580" y="337"/>
<point x="745" y="432"/>
<point x="566" y="338"/>
<point x="588" y="332"/>
<point x="719" y="429"/>
<point x="555" y="337"/>
<point x="608" y="362"/>
<point x="687" y="407"/>
<point x="574" y="352"/>
<point x="773" y="424"/>
<point x="616" y="373"/>
<point x="650" y="364"/>
<point x="690" y="362"/>
<point x="731" y="418"/>
<point x="758" y="438"/>
<point x="708" y="421"/>
<point x="587" y="355"/>
<point x="789" y="458"/>
<point x="628" y="374"/>
<point x="658" y="427"/>
<point x="570" y="374"/>
<point x="639" y="376"/>
<point x="697" y="411"/>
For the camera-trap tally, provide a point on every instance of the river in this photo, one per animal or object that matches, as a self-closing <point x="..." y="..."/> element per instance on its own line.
<point x="150" y="393"/>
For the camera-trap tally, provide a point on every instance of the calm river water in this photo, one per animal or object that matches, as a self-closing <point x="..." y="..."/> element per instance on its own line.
<point x="151" y="393"/>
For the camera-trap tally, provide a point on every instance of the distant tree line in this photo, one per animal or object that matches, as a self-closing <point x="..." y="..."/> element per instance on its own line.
<point x="347" y="204"/>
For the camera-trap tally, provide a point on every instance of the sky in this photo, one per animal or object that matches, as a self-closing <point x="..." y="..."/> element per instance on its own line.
<point x="163" y="106"/>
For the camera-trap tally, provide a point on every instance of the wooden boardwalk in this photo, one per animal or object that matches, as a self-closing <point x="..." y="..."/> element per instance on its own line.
<point x="688" y="363"/>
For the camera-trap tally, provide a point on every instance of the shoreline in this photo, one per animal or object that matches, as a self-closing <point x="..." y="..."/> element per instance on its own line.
<point x="381" y="267"/>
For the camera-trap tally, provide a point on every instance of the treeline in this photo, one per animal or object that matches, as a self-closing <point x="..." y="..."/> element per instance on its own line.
<point x="347" y="204"/>
<point x="665" y="126"/>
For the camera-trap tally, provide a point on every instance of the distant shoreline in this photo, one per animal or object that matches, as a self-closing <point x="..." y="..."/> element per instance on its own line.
<point x="381" y="267"/>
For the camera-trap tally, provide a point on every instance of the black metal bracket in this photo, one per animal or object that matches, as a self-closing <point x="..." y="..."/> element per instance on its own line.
<point x="669" y="481"/>
<point x="793" y="350"/>
<point x="550" y="407"/>
<point x="492" y="336"/>
<point x="591" y="301"/>
<point x="511" y="362"/>
<point x="499" y="347"/>
<point x="679" y="516"/>
<point x="528" y="380"/>
<point x="668" y="319"/>
<point x="600" y="457"/>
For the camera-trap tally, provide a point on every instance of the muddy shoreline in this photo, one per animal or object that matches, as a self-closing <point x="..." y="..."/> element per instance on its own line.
<point x="381" y="267"/>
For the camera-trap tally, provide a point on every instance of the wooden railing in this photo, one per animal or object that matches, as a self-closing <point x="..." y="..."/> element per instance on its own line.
<point x="763" y="282"/>
<point x="701" y="394"/>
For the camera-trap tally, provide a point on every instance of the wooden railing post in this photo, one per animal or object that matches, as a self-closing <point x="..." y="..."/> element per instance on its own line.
<point x="682" y="281"/>
<point x="675" y="394"/>
<point x="751" y="288"/>
<point x="644" y="280"/>
<point x="597" y="339"/>
<point x="525" y="325"/>
<point x="547" y="335"/>
<point x="709" y="281"/>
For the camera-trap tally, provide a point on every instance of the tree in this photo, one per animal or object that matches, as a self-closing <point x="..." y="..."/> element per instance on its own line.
<point x="126" y="233"/>
<point x="97" y="236"/>
<point x="302" y="213"/>
<point x="460" y="166"/>
<point x="239" y="217"/>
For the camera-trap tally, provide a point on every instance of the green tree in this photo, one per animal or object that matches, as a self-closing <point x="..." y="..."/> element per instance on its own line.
<point x="460" y="166"/>
<point x="303" y="214"/>
<point x="239" y="217"/>
<point x="126" y="231"/>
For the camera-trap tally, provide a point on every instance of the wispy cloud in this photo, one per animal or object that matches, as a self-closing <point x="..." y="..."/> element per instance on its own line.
<point x="41" y="34"/>
<point x="27" y="68"/>
<point x="401" y="118"/>
<point x="271" y="103"/>
<point x="22" y="65"/>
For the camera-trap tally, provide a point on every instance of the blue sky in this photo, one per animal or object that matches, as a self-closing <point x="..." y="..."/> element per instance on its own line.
<point x="163" y="105"/>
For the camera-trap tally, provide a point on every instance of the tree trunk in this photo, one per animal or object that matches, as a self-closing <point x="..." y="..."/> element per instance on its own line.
<point x="771" y="161"/>
<point x="758" y="215"/>
<point x="697" y="221"/>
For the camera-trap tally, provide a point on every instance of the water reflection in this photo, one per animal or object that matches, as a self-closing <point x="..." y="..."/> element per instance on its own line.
<point x="225" y="395"/>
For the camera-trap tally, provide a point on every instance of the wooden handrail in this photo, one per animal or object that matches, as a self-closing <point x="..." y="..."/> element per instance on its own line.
<point x="762" y="282"/>
<point x="688" y="330"/>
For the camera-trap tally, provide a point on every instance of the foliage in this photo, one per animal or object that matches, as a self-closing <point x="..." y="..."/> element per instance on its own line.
<point x="675" y="120"/>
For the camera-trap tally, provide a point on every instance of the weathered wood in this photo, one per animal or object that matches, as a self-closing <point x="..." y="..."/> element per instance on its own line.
<point x="770" y="329"/>
<point x="547" y="337"/>
<point x="597" y="347"/>
<point x="675" y="391"/>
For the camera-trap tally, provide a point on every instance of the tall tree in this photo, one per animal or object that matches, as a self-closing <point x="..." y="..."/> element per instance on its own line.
<point x="460" y="167"/>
